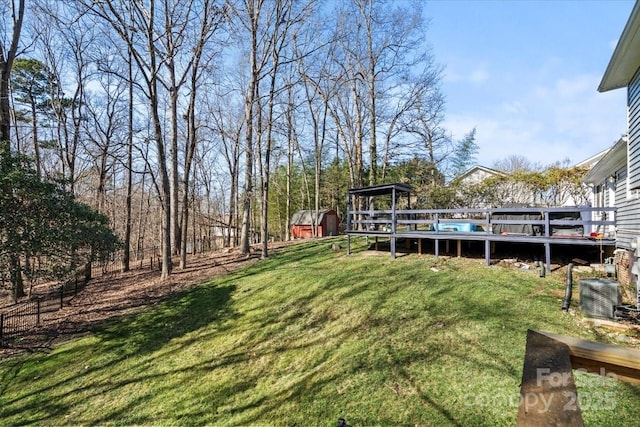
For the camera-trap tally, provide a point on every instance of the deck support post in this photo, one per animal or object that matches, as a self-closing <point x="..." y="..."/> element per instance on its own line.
<point x="547" y="256"/>
<point x="348" y="223"/>
<point x="487" y="252"/>
<point x="419" y="246"/>
<point x="394" y="220"/>
<point x="547" y="245"/>
<point x="393" y="247"/>
<point x="459" y="248"/>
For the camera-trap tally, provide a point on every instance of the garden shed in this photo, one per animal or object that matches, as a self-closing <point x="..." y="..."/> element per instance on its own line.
<point x="302" y="223"/>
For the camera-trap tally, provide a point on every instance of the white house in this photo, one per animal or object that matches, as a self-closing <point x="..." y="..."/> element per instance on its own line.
<point x="608" y="177"/>
<point x="476" y="174"/>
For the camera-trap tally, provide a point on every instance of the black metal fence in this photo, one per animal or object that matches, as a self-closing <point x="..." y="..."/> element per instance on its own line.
<point x="25" y="316"/>
<point x="148" y="258"/>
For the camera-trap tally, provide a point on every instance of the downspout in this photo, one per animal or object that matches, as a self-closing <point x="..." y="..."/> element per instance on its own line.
<point x="569" y="288"/>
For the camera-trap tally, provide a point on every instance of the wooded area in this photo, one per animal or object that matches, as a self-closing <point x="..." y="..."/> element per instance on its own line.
<point x="195" y="124"/>
<point x="183" y="121"/>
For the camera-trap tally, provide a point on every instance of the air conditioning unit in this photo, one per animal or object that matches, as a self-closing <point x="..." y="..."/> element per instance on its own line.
<point x="599" y="297"/>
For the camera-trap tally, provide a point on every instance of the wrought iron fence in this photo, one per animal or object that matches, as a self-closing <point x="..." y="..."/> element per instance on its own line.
<point x="147" y="258"/>
<point x="21" y="318"/>
<point x="25" y="316"/>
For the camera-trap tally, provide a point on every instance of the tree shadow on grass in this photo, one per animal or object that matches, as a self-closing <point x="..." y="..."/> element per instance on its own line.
<point x="131" y="336"/>
<point x="150" y="330"/>
<point x="301" y="255"/>
<point x="307" y="321"/>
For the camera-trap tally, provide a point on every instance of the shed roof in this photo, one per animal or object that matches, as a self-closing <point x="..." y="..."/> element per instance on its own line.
<point x="379" y="190"/>
<point x="304" y="217"/>
<point x="626" y="57"/>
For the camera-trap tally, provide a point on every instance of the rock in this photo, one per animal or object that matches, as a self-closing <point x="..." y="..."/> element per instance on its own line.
<point x="622" y="338"/>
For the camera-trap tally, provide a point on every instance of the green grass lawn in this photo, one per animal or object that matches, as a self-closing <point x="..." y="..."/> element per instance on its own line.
<point x="311" y="335"/>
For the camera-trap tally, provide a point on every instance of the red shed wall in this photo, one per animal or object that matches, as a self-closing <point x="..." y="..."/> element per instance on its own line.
<point x="328" y="226"/>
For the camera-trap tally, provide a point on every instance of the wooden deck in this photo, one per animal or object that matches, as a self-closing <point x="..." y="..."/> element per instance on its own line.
<point x="548" y="227"/>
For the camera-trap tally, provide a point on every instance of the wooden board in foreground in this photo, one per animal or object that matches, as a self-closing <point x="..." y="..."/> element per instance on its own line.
<point x="596" y="357"/>
<point x="548" y="393"/>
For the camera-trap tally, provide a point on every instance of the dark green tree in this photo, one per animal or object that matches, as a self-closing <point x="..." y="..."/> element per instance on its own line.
<point x="418" y="172"/>
<point x="464" y="153"/>
<point x="334" y="186"/>
<point x="32" y="84"/>
<point x="427" y="182"/>
<point x="41" y="220"/>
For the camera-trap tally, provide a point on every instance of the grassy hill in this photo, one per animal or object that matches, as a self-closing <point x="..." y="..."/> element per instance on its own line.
<point x="311" y="335"/>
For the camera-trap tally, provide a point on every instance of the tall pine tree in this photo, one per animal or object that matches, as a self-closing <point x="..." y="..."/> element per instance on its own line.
<point x="464" y="155"/>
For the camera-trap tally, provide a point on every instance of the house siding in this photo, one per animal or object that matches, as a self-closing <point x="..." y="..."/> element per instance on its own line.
<point x="628" y="196"/>
<point x="628" y="215"/>
<point x="633" y="102"/>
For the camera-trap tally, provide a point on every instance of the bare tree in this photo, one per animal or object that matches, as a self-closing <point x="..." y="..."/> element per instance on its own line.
<point x="419" y="111"/>
<point x="177" y="53"/>
<point x="135" y="23"/>
<point x="65" y="39"/>
<point x="126" y="256"/>
<point x="210" y="20"/>
<point x="316" y="94"/>
<point x="105" y="127"/>
<point x="424" y="121"/>
<point x="285" y="18"/>
<point x="227" y="124"/>
<point x="516" y="163"/>
<point x="8" y="52"/>
<point x="248" y="14"/>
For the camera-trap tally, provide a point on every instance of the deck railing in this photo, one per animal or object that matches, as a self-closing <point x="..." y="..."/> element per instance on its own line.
<point x="585" y="226"/>
<point x="596" y="222"/>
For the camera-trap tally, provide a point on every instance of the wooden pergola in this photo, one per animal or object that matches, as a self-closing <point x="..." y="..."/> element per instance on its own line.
<point x="395" y="190"/>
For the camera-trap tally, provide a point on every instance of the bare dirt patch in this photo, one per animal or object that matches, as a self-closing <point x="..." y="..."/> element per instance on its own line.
<point x="118" y="294"/>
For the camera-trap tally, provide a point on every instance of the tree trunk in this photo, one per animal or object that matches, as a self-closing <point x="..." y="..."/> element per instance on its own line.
<point x="16" y="277"/>
<point x="165" y="187"/>
<point x="126" y="257"/>
<point x="34" y="133"/>
<point x="289" y="163"/>
<point x="192" y="140"/>
<point x="173" y="159"/>
<point x="249" y="103"/>
<point x="6" y="63"/>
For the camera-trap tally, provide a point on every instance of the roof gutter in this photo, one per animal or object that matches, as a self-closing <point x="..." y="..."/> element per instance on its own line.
<point x="625" y="61"/>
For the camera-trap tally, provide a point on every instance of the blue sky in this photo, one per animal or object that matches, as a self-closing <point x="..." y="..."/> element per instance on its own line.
<point x="525" y="74"/>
